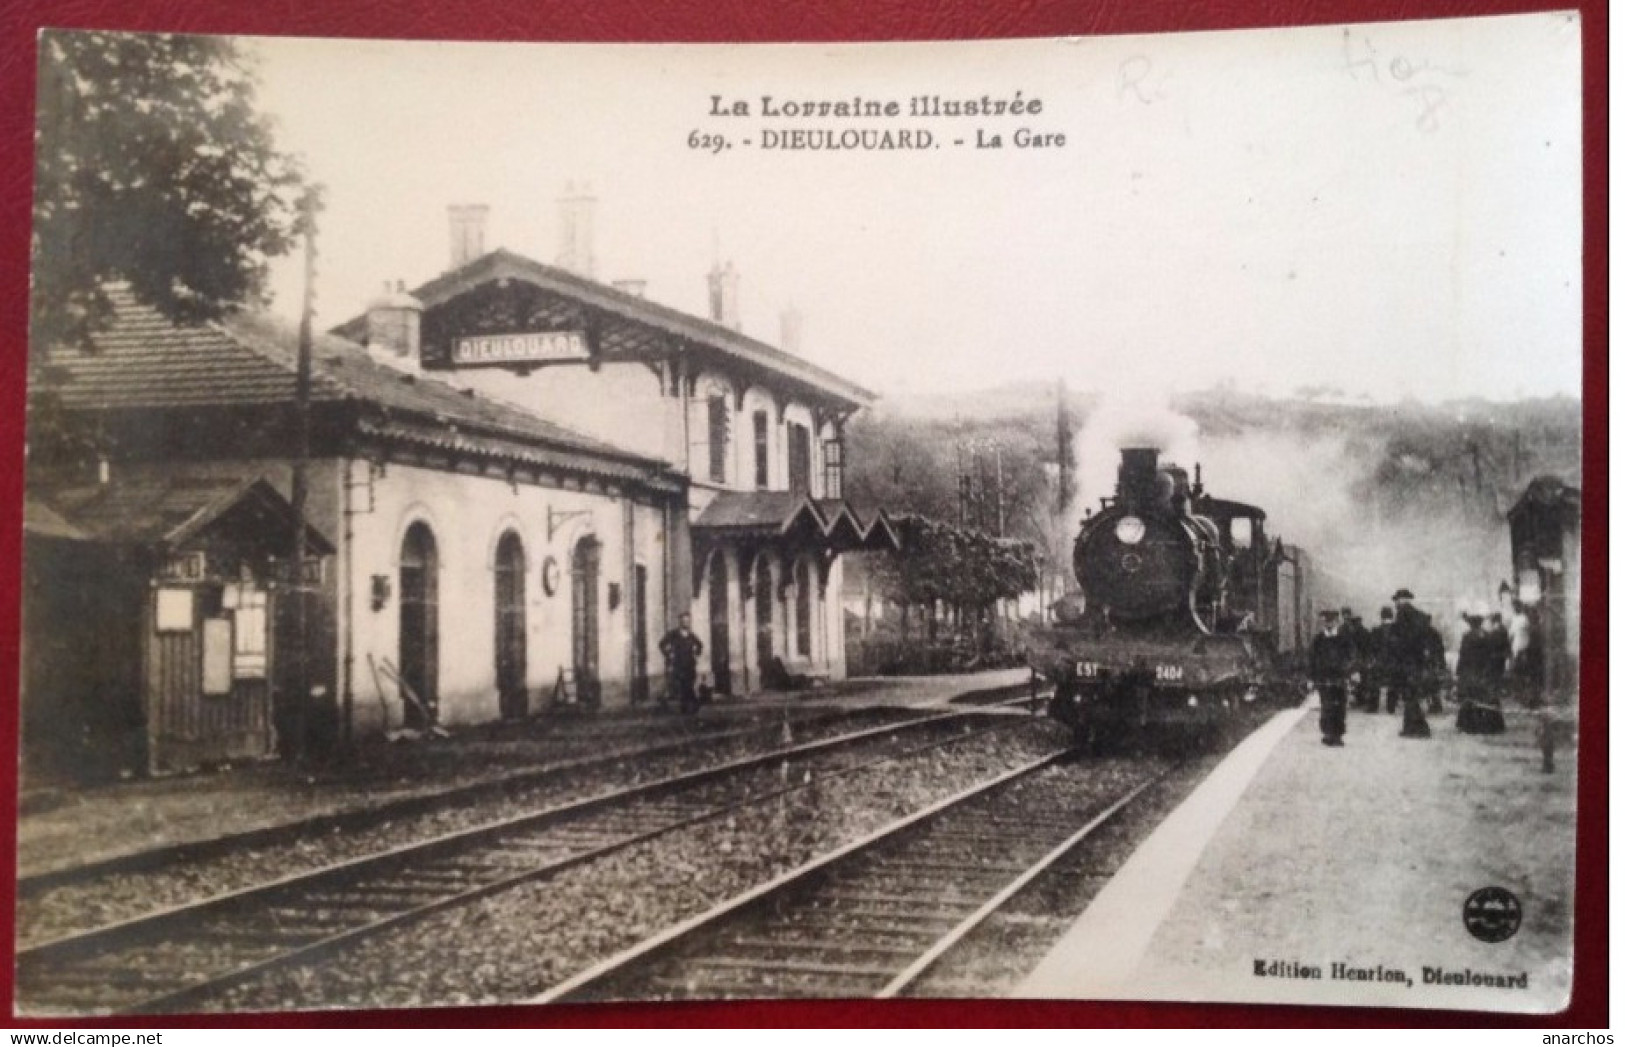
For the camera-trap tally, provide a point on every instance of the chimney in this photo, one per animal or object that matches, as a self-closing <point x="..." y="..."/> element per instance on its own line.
<point x="725" y="295"/>
<point x="467" y="232"/>
<point x="1137" y="475"/>
<point x="575" y="230"/>
<point x="790" y="330"/>
<point x="632" y="287"/>
<point x="394" y="321"/>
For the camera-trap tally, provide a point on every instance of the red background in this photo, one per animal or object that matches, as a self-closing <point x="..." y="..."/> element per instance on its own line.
<point x="828" y="20"/>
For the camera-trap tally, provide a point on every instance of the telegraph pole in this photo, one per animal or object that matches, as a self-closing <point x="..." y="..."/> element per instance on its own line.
<point x="998" y="481"/>
<point x="309" y="205"/>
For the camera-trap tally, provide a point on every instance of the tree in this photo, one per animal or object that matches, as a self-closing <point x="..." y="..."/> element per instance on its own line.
<point x="153" y="168"/>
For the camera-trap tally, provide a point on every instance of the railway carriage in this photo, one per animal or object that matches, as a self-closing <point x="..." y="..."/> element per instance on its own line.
<point x="1188" y="612"/>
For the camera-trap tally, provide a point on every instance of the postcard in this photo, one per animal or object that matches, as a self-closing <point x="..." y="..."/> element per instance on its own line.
<point x="1088" y="518"/>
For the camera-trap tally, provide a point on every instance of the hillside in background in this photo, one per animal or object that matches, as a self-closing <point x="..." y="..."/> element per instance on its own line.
<point x="1382" y="495"/>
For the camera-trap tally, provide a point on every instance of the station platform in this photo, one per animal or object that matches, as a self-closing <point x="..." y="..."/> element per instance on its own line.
<point x="1304" y="874"/>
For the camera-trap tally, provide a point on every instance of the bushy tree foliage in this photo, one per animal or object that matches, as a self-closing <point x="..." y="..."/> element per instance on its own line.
<point x="153" y="168"/>
<point x="955" y="565"/>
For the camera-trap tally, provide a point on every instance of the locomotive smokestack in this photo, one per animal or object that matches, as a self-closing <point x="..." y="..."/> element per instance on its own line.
<point x="1137" y="475"/>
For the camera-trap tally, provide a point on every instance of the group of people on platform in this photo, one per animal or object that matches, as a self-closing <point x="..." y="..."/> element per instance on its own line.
<point x="1401" y="662"/>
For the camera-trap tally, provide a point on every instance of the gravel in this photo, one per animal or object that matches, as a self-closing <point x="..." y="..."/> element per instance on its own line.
<point x="76" y="907"/>
<point x="514" y="945"/>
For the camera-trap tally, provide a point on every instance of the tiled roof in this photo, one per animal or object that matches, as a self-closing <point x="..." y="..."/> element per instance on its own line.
<point x="167" y="509"/>
<point x="754" y="509"/>
<point x="459" y="441"/>
<point x="632" y="308"/>
<point x="144" y="361"/>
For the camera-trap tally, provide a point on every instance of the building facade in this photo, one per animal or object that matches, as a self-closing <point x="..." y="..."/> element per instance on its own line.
<point x="525" y="476"/>
<point x="756" y="432"/>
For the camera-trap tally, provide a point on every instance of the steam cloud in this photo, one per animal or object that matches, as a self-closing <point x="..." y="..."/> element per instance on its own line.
<point x="1317" y="491"/>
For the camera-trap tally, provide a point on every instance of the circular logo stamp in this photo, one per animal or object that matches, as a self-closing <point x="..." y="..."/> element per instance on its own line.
<point x="1492" y="914"/>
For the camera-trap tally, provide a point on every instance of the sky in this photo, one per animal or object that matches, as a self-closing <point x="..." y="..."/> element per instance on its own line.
<point x="1389" y="210"/>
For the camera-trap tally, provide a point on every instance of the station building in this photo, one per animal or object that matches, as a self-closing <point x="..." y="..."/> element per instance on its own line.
<point x="519" y="478"/>
<point x="757" y="432"/>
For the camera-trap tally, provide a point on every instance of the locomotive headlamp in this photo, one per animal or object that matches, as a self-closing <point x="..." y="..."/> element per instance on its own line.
<point x="1130" y="529"/>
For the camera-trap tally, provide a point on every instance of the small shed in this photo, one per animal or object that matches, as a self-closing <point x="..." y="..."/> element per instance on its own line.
<point x="1545" y="526"/>
<point x="150" y="623"/>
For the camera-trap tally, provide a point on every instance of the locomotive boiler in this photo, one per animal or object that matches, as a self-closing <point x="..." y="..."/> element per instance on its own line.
<point x="1187" y="612"/>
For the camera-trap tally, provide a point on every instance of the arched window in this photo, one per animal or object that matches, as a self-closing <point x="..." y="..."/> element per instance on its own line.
<point x="716" y="430"/>
<point x="584" y="611"/>
<point x="510" y="626"/>
<point x="420" y="624"/>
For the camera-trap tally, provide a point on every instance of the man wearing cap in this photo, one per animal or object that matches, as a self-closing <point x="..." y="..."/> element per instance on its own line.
<point x="1411" y="642"/>
<point x="1331" y="659"/>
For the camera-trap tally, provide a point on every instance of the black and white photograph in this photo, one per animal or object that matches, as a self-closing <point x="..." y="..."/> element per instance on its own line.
<point x="1091" y="518"/>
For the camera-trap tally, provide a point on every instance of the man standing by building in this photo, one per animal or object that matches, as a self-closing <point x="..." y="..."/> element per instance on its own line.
<point x="1411" y="643"/>
<point x="1331" y="659"/>
<point x="682" y="650"/>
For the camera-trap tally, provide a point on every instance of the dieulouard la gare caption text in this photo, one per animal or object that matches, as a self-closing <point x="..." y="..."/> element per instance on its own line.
<point x="771" y="123"/>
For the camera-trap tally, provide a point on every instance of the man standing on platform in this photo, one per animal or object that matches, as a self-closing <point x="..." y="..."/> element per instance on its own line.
<point x="1411" y="643"/>
<point x="682" y="650"/>
<point x="1381" y="668"/>
<point x="1331" y="659"/>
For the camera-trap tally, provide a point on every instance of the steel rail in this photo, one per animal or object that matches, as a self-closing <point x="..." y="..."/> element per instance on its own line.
<point x="345" y="875"/>
<point x="928" y="959"/>
<point x="654" y="947"/>
<point x="35" y="884"/>
<point x="155" y="921"/>
<point x="303" y="954"/>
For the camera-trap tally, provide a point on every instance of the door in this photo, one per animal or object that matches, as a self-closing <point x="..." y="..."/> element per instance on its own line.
<point x="640" y="633"/>
<point x="420" y="624"/>
<point x="584" y="614"/>
<point x="510" y="627"/>
<point x="716" y="587"/>
<point x="762" y="585"/>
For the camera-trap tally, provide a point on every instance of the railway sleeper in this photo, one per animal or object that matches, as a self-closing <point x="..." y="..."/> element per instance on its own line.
<point x="893" y="916"/>
<point x="825" y="946"/>
<point x="882" y="897"/>
<point x="794" y="967"/>
<point x="922" y="909"/>
<point x="909" y="866"/>
<point x="714" y="987"/>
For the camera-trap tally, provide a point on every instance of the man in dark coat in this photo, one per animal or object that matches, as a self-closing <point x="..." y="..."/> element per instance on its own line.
<point x="1331" y="659"/>
<point x="1477" y="680"/>
<point x="1500" y="657"/>
<point x="682" y="649"/>
<point x="1411" y="643"/>
<point x="1382" y="672"/>
<point x="1364" y="693"/>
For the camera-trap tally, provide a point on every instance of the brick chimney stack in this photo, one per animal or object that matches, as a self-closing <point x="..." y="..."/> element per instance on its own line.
<point x="467" y="232"/>
<point x="575" y="230"/>
<point x="724" y="283"/>
<point x="790" y="330"/>
<point x="394" y="326"/>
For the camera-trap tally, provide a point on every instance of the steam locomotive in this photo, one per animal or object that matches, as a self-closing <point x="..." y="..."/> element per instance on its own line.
<point x="1189" y="612"/>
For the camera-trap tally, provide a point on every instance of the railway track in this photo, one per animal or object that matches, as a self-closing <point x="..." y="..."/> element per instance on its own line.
<point x="175" y="958"/>
<point x="873" y="918"/>
<point x="34" y="885"/>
